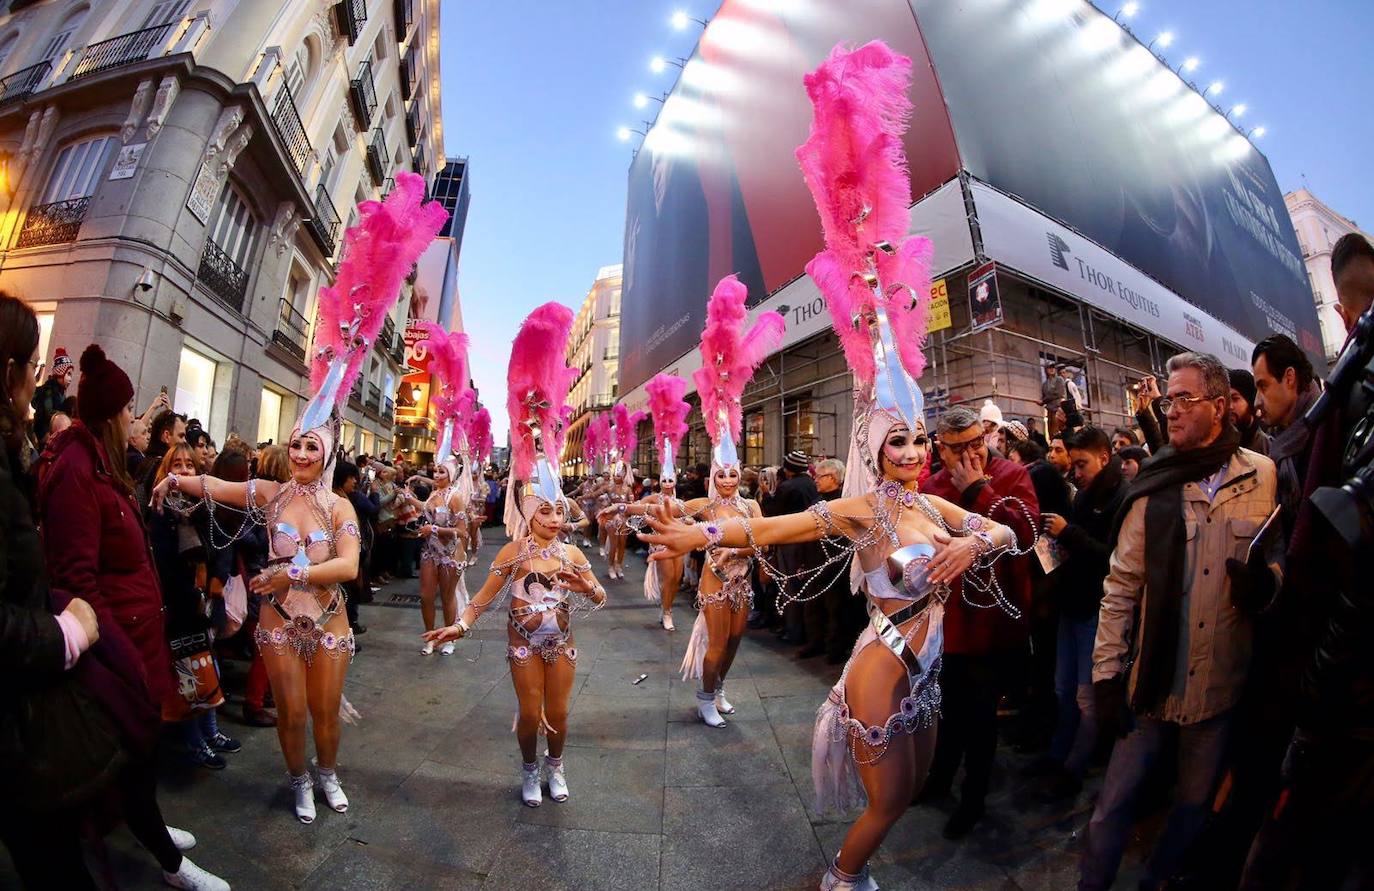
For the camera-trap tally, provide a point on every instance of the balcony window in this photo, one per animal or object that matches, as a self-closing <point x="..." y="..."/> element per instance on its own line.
<point x="351" y="16"/>
<point x="67" y="196"/>
<point x="377" y="157"/>
<point x="286" y="121"/>
<point x="363" y="96"/>
<point x="229" y="249"/>
<point x="404" y="13"/>
<point x="125" y="49"/>
<point x="291" y="333"/>
<point x="325" y="224"/>
<point x="21" y="84"/>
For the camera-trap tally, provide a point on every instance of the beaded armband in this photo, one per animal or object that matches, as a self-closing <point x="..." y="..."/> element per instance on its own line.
<point x="820" y="515"/>
<point x="299" y="575"/>
<point x="713" y="533"/>
<point x="350" y="528"/>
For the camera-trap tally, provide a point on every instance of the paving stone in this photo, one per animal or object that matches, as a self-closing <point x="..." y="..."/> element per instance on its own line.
<point x="609" y="790"/>
<point x="740" y="753"/>
<point x="737" y="837"/>
<point x="559" y="859"/>
<point x="366" y="866"/>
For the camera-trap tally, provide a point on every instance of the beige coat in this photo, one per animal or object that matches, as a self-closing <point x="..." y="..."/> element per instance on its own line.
<point x="1214" y="642"/>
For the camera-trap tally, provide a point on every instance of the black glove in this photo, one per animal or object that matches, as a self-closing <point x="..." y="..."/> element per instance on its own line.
<point x="1109" y="699"/>
<point x="1252" y="587"/>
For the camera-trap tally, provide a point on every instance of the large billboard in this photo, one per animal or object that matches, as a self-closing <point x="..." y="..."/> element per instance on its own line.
<point x="1054" y="103"/>
<point x="1047" y="101"/>
<point x="715" y="189"/>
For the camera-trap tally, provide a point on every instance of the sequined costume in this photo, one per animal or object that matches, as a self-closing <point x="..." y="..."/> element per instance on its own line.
<point x="439" y="549"/>
<point x="305" y="609"/>
<point x="615" y="523"/>
<point x="735" y="568"/>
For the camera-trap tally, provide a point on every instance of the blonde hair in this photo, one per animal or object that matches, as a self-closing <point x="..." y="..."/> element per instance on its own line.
<point x="273" y="464"/>
<point x="165" y="466"/>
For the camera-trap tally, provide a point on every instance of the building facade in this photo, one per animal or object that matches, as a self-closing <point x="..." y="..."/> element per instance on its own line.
<point x="180" y="175"/>
<point x="1319" y="228"/>
<point x="594" y="350"/>
<point x="452" y="190"/>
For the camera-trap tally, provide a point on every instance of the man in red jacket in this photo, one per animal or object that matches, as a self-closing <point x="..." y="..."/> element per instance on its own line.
<point x="983" y="642"/>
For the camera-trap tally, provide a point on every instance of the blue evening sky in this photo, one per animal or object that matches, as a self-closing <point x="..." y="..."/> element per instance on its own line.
<point x="533" y="93"/>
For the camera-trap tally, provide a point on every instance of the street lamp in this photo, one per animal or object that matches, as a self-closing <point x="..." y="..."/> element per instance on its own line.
<point x="1238" y="110"/>
<point x="1190" y="64"/>
<point x="681" y="20"/>
<point x="658" y="64"/>
<point x="1163" y="38"/>
<point x="1216" y="87"/>
<point x="1258" y="132"/>
<point x="1128" y="10"/>
<point x="642" y="100"/>
<point x="624" y="133"/>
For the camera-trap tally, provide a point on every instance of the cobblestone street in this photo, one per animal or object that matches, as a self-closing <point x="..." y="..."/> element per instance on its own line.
<point x="658" y="800"/>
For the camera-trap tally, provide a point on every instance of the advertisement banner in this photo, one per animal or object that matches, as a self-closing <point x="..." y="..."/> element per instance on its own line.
<point x="412" y="396"/>
<point x="1096" y="133"/>
<point x="939" y="318"/>
<point x="984" y="300"/>
<point x="715" y="188"/>
<point x="1020" y="238"/>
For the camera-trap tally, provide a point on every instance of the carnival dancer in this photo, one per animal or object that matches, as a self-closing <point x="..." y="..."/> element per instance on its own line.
<point x="314" y="539"/>
<point x="669" y="414"/>
<point x="444" y="518"/>
<point x="729" y="357"/>
<point x="620" y="491"/>
<point x="547" y="579"/>
<point x="875" y="734"/>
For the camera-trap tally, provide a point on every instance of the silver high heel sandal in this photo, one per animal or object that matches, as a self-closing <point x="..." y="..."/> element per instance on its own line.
<point x="333" y="790"/>
<point x="722" y="704"/>
<point x="558" y="784"/>
<point x="530" y="791"/>
<point x="304" y="787"/>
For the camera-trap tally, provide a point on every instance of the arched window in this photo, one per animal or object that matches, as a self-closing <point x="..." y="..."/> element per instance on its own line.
<point x="233" y="227"/>
<point x="77" y="169"/>
<point x="60" y="38"/>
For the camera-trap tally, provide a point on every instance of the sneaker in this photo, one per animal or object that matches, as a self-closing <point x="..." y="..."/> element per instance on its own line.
<point x="446" y="649"/>
<point x="183" y="840"/>
<point x="207" y="758"/>
<point x="221" y="743"/>
<point x="193" y="878"/>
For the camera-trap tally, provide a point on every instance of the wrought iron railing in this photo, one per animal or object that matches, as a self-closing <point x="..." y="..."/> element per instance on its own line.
<point x="21" y="84"/>
<point x="286" y="120"/>
<point x="413" y="124"/>
<point x="388" y="332"/>
<point x="398" y="350"/>
<point x="122" y="50"/>
<point x="356" y="394"/>
<point x="420" y="166"/>
<point x="292" y="331"/>
<point x="377" y="157"/>
<point x="352" y="15"/>
<point x="403" y="11"/>
<point x="374" y="397"/>
<point x="55" y="223"/>
<point x="388" y="407"/>
<point x="601" y="400"/>
<point x="407" y="64"/>
<point x="325" y="223"/>
<point x="222" y="276"/>
<point x="363" y="94"/>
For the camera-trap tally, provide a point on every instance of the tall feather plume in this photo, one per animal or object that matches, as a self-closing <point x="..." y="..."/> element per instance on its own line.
<point x="730" y="355"/>
<point x="449" y="363"/>
<point x="537" y="372"/>
<point x="599" y="432"/>
<point x="479" y="435"/>
<point x="590" y="443"/>
<point x="378" y="254"/>
<point x="668" y="411"/>
<point x="855" y="166"/>
<point x="625" y="426"/>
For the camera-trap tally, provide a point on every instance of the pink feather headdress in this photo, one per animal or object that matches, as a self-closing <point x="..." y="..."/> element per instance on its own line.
<point x="537" y="385"/>
<point x="449" y="363"/>
<point x="625" y="426"/>
<point x="729" y="357"/>
<point x="378" y="254"/>
<point x="479" y="435"/>
<point x="599" y="439"/>
<point x="855" y="166"/>
<point x="669" y="413"/>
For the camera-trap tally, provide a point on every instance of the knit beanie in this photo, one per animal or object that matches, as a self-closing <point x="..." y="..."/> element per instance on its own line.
<point x="1243" y="382"/>
<point x="990" y="412"/>
<point x="104" y="387"/>
<point x="61" y="362"/>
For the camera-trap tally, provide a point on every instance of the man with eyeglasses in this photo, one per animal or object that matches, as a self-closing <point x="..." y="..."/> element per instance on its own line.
<point x="1174" y="637"/>
<point x="984" y="647"/>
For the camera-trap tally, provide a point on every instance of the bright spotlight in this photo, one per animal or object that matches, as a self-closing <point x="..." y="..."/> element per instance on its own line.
<point x="681" y="20"/>
<point x="1165" y="39"/>
<point x="1130" y="9"/>
<point x="1240" y="109"/>
<point x="1190" y="64"/>
<point x="623" y="134"/>
<point x="641" y="100"/>
<point x="657" y="64"/>
<point x="1216" y="87"/>
<point x="1258" y="132"/>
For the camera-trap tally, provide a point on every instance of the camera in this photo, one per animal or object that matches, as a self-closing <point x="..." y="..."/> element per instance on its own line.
<point x="1349" y="508"/>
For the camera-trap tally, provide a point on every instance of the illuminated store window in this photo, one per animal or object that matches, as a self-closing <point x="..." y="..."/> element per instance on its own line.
<point x="195" y="386"/>
<point x="269" y="416"/>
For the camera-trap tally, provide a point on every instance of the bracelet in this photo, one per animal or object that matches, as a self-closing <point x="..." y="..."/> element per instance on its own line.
<point x="463" y="627"/>
<point x="299" y="575"/>
<point x="748" y="532"/>
<point x="713" y="534"/>
<point x="175" y="482"/>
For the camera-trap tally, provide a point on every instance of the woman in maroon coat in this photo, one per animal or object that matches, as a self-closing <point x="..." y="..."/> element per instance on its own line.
<point x="97" y="549"/>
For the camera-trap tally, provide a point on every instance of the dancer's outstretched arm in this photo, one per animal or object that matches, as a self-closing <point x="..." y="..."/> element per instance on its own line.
<point x="223" y="491"/>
